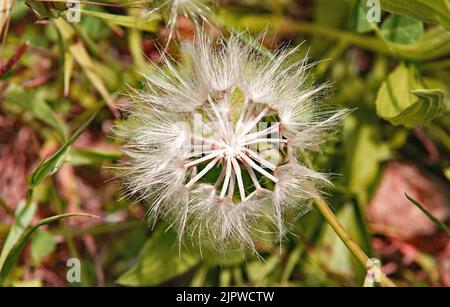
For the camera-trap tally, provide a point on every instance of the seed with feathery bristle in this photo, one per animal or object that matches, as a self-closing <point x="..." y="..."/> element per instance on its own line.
<point x="238" y="167"/>
<point x="197" y="11"/>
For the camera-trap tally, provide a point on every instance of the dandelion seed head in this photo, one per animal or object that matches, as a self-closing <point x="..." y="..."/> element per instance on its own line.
<point x="211" y="142"/>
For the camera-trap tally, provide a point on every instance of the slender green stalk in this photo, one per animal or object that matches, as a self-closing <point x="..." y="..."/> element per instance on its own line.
<point x="331" y="218"/>
<point x="435" y="220"/>
<point x="367" y="42"/>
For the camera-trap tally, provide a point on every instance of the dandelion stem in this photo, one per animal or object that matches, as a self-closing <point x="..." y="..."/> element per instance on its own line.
<point x="332" y="220"/>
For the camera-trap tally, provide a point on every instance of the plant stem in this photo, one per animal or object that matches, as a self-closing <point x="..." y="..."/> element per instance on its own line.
<point x="14" y="59"/>
<point x="331" y="218"/>
<point x="439" y="65"/>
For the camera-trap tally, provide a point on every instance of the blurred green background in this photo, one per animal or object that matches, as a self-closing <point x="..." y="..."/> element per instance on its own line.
<point x="55" y="156"/>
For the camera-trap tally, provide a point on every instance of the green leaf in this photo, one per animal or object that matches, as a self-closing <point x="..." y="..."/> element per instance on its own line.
<point x="49" y="166"/>
<point x="364" y="160"/>
<point x="431" y="104"/>
<point x="159" y="261"/>
<point x="358" y="17"/>
<point x="425" y="10"/>
<point x="401" y="101"/>
<point x="14" y="252"/>
<point x="23" y="216"/>
<point x="81" y="156"/>
<point x="364" y="152"/>
<point x="35" y="104"/>
<point x="435" y="43"/>
<point x="435" y="220"/>
<point x="42" y="245"/>
<point x="401" y="30"/>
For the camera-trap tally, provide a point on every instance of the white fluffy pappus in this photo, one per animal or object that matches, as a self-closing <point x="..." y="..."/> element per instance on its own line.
<point x="197" y="11"/>
<point x="219" y="183"/>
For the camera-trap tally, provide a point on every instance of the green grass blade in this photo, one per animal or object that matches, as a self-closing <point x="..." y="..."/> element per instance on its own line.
<point x="23" y="216"/>
<point x="49" y="166"/>
<point x="14" y="252"/>
<point x="440" y="224"/>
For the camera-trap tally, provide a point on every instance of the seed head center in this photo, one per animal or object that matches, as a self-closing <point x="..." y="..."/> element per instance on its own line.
<point x="232" y="151"/>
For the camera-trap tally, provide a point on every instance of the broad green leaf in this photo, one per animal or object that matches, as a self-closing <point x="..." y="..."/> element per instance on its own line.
<point x="435" y="43"/>
<point x="358" y="17"/>
<point x="431" y="104"/>
<point x="434" y="219"/>
<point x="401" y="30"/>
<point x="159" y="261"/>
<point x="80" y="156"/>
<point x="401" y="101"/>
<point x="49" y="166"/>
<point x="42" y="245"/>
<point x="14" y="253"/>
<point x="29" y="101"/>
<point x="424" y="10"/>
<point x="364" y="151"/>
<point x="23" y="216"/>
<point x="364" y="159"/>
